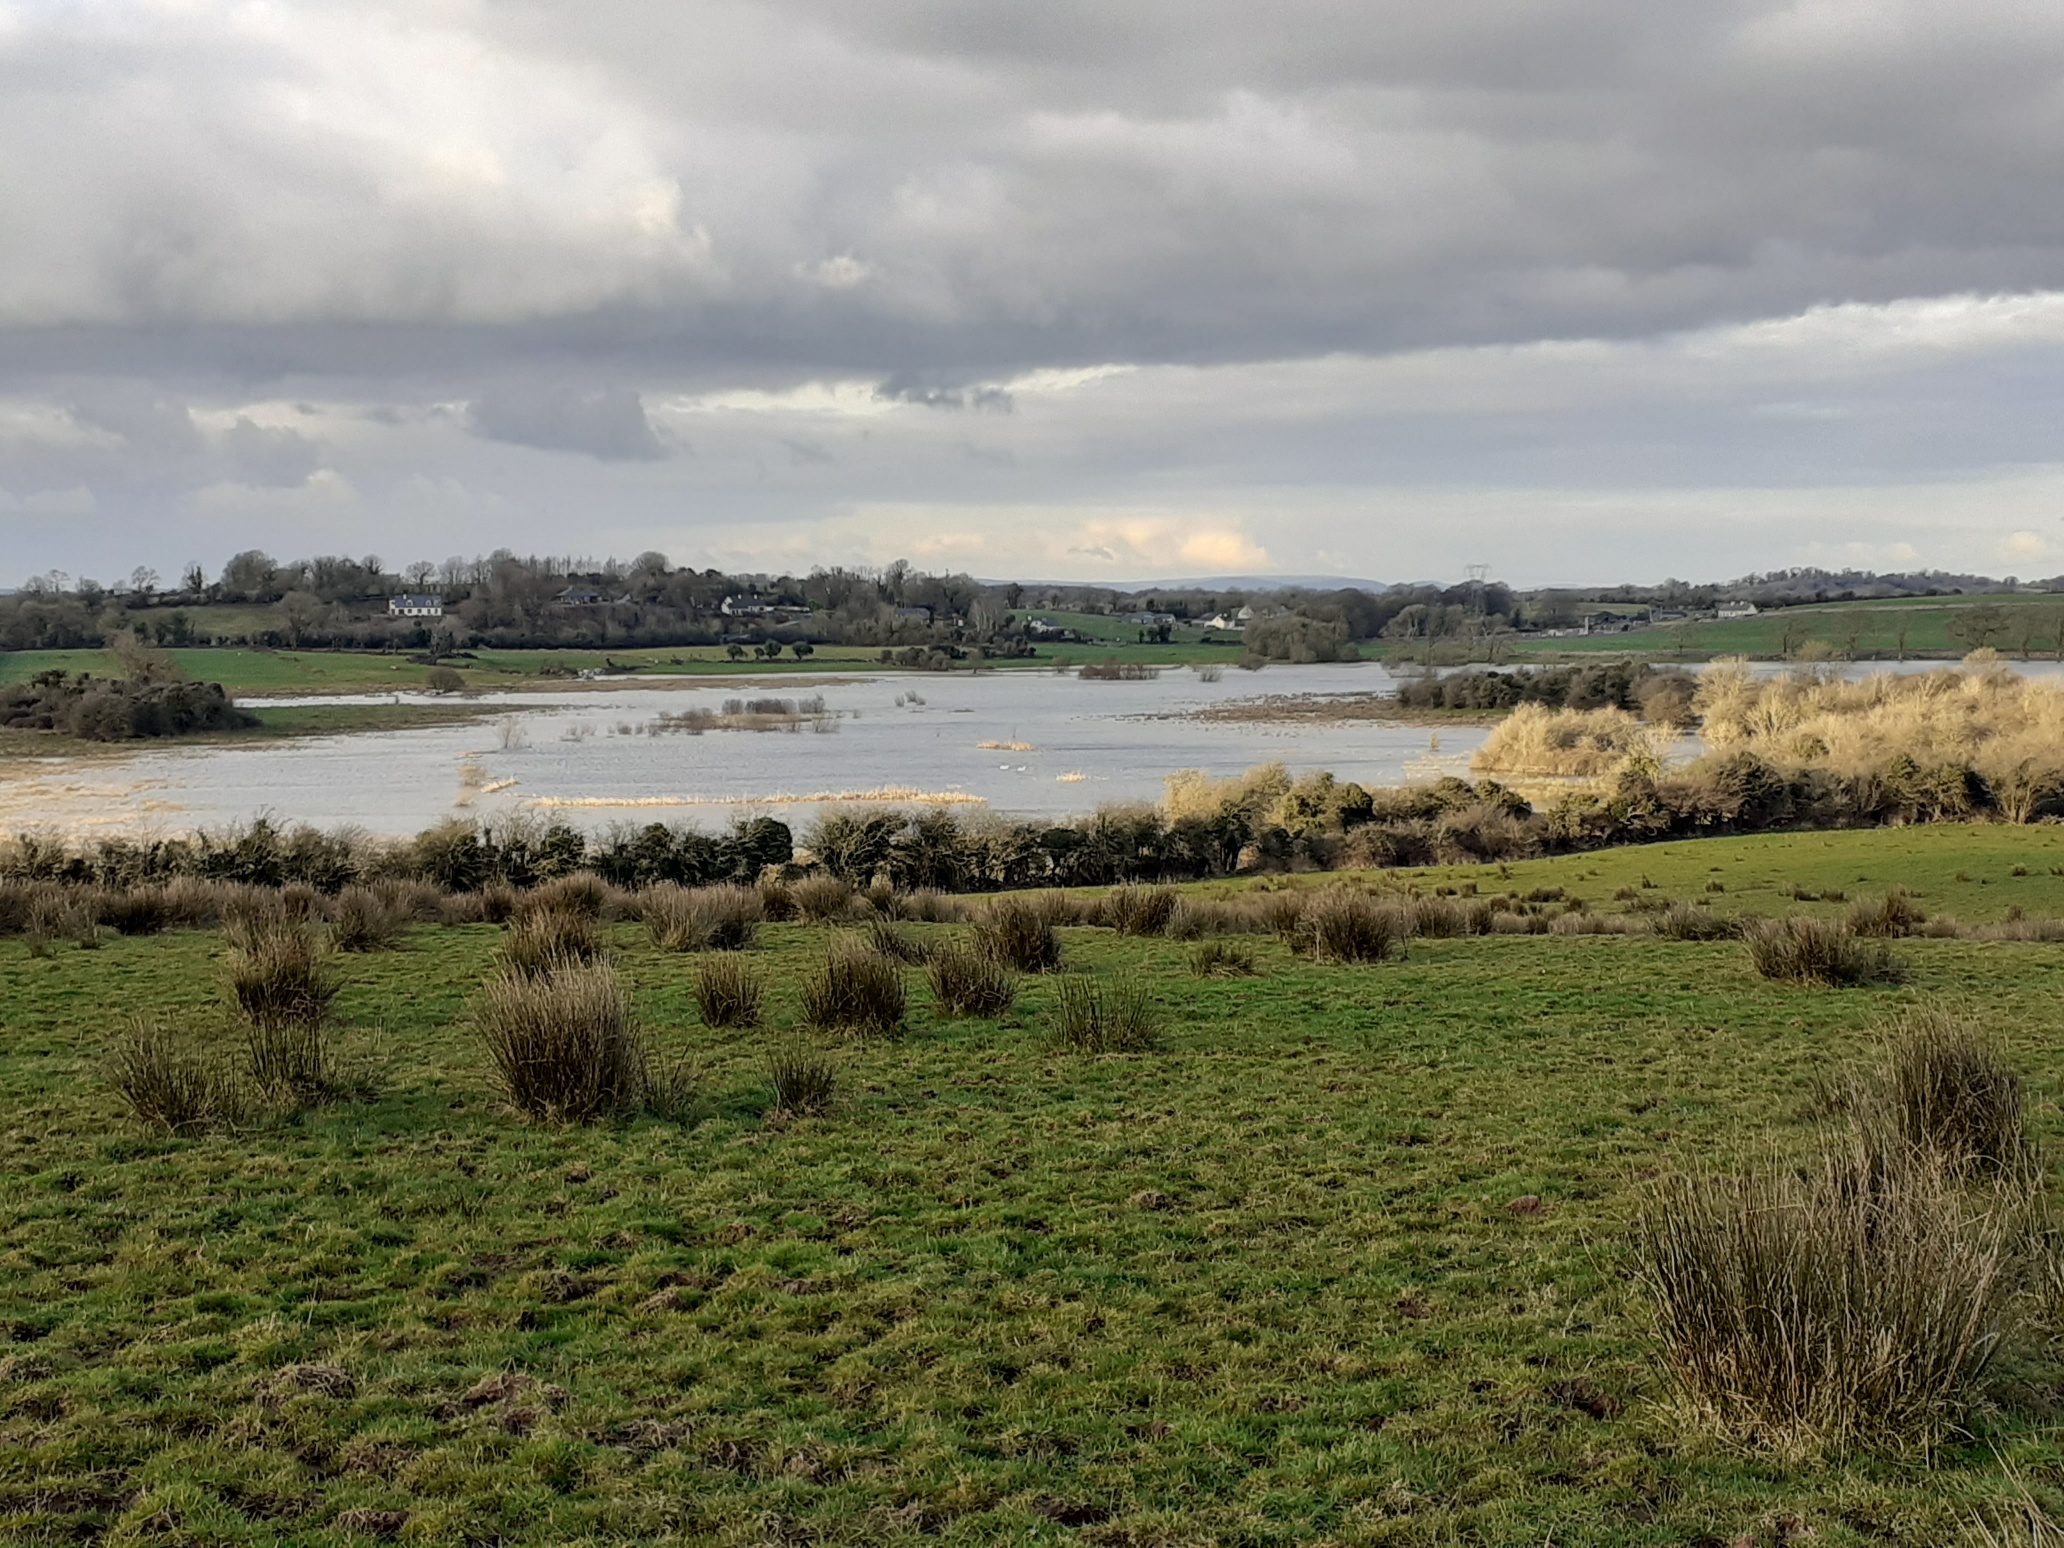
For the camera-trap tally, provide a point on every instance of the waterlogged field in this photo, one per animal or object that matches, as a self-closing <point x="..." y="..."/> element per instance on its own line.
<point x="1339" y="1262"/>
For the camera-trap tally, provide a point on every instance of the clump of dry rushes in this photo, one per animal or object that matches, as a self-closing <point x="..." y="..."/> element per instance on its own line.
<point x="856" y="990"/>
<point x="728" y="991"/>
<point x="967" y="983"/>
<point x="566" y="1044"/>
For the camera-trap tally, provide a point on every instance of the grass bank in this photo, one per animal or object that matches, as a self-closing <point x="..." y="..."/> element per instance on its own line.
<point x="1337" y="1262"/>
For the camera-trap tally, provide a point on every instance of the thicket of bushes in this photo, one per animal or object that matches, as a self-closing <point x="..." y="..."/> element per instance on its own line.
<point x="1263" y="822"/>
<point x="1660" y="694"/>
<point x="115" y="709"/>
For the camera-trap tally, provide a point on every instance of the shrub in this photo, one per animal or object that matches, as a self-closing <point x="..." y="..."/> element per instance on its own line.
<point x="364" y="920"/>
<point x="1687" y="922"/>
<point x="1118" y="1018"/>
<point x="165" y="1087"/>
<point x="821" y="899"/>
<point x="802" y="1077"/>
<point x="857" y="990"/>
<point x="966" y="982"/>
<point x="1340" y="924"/>
<point x="565" y="1045"/>
<point x="1222" y="959"/>
<point x="728" y="991"/>
<point x="1800" y="950"/>
<point x="1136" y="910"/>
<point x="1019" y="934"/>
<point x="1894" y="914"/>
<point x="542" y="940"/>
<point x="1945" y="1089"/>
<point x="1828" y="1306"/>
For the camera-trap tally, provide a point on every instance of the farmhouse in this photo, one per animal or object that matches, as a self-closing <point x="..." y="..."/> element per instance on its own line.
<point x="1736" y="610"/>
<point x="578" y="596"/>
<point x="415" y="604"/>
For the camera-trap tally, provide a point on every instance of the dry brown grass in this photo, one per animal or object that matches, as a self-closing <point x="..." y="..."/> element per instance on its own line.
<point x="1535" y="742"/>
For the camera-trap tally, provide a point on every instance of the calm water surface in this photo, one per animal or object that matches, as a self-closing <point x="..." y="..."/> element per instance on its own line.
<point x="1089" y="742"/>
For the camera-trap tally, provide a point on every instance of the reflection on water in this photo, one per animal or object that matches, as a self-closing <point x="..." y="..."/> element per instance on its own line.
<point x="1058" y="745"/>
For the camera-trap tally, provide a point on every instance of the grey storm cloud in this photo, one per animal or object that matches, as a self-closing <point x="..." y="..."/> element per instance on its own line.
<point x="609" y="231"/>
<point x="796" y="185"/>
<point x="609" y="424"/>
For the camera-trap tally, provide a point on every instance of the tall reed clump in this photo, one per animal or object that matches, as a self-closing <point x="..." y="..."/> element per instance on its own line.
<point x="1540" y="742"/>
<point x="1832" y="1305"/>
<point x="539" y="941"/>
<point x="1894" y="914"/>
<point x="1946" y="1091"/>
<point x="136" y="910"/>
<point x="565" y="1044"/>
<point x="821" y="899"/>
<point x="728" y="991"/>
<point x="968" y="983"/>
<point x="165" y="1086"/>
<point x="856" y="990"/>
<point x="803" y="1079"/>
<point x="364" y="920"/>
<point x="1802" y="950"/>
<point x="1221" y="958"/>
<point x="1018" y="933"/>
<point x="1136" y="910"/>
<point x="282" y="982"/>
<point x="901" y="945"/>
<point x="1689" y="922"/>
<point x="1341" y="924"/>
<point x="1104" y="1018"/>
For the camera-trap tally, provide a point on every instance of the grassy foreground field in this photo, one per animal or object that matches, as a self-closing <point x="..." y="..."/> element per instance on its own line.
<point x="1338" y="1263"/>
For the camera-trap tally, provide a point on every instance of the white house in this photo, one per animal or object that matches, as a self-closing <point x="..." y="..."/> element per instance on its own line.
<point x="415" y="604"/>
<point x="1736" y="610"/>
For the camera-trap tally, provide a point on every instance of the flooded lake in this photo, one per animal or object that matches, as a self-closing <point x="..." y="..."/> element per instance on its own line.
<point x="595" y="756"/>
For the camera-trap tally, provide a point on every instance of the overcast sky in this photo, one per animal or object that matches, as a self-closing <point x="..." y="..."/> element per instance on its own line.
<point x="1580" y="289"/>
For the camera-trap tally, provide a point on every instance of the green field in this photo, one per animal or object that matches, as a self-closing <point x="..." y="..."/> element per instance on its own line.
<point x="1265" y="1285"/>
<point x="1888" y="630"/>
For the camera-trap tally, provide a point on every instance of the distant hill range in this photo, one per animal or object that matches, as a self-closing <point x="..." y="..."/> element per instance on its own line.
<point x="1229" y="583"/>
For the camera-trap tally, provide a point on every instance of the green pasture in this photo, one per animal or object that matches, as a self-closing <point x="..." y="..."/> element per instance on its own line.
<point x="1338" y="1264"/>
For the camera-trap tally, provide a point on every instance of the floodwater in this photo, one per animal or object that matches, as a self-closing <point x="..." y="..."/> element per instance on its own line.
<point x="595" y="756"/>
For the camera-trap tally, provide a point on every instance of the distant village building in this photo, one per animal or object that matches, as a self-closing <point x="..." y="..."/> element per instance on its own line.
<point x="1231" y="623"/>
<point x="1736" y="610"/>
<point x="415" y="604"/>
<point x="918" y="615"/>
<point x="578" y="596"/>
<point x="742" y="607"/>
<point x="1152" y="620"/>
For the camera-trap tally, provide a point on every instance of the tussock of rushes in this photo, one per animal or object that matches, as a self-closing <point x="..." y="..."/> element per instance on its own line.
<point x="1340" y="924"/>
<point x="1018" y="933"/>
<point x="1800" y="950"/>
<point x="968" y="983"/>
<point x="165" y="1087"/>
<point x="671" y="917"/>
<point x="279" y="975"/>
<point x="803" y="1079"/>
<point x="1137" y="910"/>
<point x="1104" y="1018"/>
<point x="731" y="916"/>
<point x="1830" y="1306"/>
<point x="1445" y="918"/>
<point x="1222" y="959"/>
<point x="543" y="940"/>
<point x="1947" y="1091"/>
<point x="1894" y="914"/>
<point x="136" y="910"/>
<point x="1688" y="922"/>
<point x="821" y="899"/>
<point x="1578" y="922"/>
<point x="901" y="945"/>
<point x="925" y="904"/>
<point x="364" y="920"/>
<point x="1279" y="913"/>
<point x="565" y="1046"/>
<point x="857" y="990"/>
<point x="728" y="991"/>
<point x="588" y="896"/>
